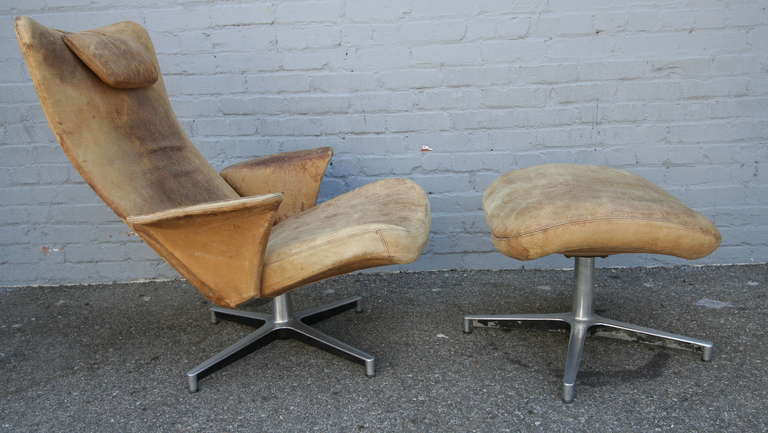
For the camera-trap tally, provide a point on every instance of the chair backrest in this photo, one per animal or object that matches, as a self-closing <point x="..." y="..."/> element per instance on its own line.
<point x="122" y="137"/>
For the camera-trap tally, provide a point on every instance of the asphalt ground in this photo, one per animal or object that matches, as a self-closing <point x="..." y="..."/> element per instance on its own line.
<point x="112" y="358"/>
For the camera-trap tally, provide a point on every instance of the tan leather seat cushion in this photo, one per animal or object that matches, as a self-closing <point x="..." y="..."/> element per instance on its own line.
<point x="385" y="222"/>
<point x="585" y="210"/>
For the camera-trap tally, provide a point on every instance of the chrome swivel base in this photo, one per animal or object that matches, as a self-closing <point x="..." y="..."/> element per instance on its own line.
<point x="283" y="321"/>
<point x="581" y="320"/>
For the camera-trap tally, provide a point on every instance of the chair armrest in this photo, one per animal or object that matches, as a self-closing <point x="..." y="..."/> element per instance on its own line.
<point x="297" y="175"/>
<point x="259" y="202"/>
<point x="219" y="247"/>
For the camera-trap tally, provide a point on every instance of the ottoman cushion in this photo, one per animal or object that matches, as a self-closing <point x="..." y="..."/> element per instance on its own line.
<point x="585" y="210"/>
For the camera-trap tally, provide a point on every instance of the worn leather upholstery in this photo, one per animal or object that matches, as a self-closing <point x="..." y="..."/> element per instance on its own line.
<point x="121" y="54"/>
<point x="382" y="223"/>
<point x="116" y="125"/>
<point x="296" y="174"/>
<point x="585" y="210"/>
<point x="126" y="144"/>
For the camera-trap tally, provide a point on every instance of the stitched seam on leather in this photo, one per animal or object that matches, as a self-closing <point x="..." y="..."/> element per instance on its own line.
<point x="622" y="219"/>
<point x="601" y="250"/>
<point x="384" y="241"/>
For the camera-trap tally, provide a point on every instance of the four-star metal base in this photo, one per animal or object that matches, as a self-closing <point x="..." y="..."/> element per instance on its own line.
<point x="580" y="320"/>
<point x="284" y="321"/>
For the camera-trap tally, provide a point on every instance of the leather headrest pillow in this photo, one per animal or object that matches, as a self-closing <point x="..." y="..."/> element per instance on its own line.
<point x="121" y="54"/>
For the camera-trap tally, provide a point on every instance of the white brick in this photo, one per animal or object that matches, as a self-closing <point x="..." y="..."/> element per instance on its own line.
<point x="226" y="126"/>
<point x="181" y="42"/>
<point x="590" y="48"/>
<point x="196" y="107"/>
<point x="13" y="156"/>
<point x="13" y="71"/>
<point x="375" y="10"/>
<point x="718" y="87"/>
<point x="277" y="83"/>
<point x="382" y="102"/>
<point x="252" y="13"/>
<point x="446" y="7"/>
<point x="547" y="74"/>
<point x="410" y="79"/>
<point x="448" y="55"/>
<point x="356" y="34"/>
<point x="343" y="82"/>
<point x="244" y="39"/>
<point x="620" y="70"/>
<point x="705" y="42"/>
<point x="374" y="145"/>
<point x="456" y="202"/>
<point x="479" y="76"/>
<point x="620" y="21"/>
<point x="311" y="60"/>
<point x="162" y="20"/>
<point x="387" y="165"/>
<point x="417" y="122"/>
<point x="17" y="93"/>
<point x="519" y="50"/>
<point x="199" y="63"/>
<point x="433" y="31"/>
<point x="385" y="34"/>
<point x="448" y="99"/>
<point x="49" y="154"/>
<point x="493" y="27"/>
<point x="736" y="65"/>
<point x="743" y="15"/>
<point x="291" y="38"/>
<point x="316" y="104"/>
<point x="312" y="11"/>
<point x="563" y="25"/>
<point x="514" y="97"/>
<point x="353" y="124"/>
<point x="248" y="62"/>
<point x="494" y="7"/>
<point x="380" y="58"/>
<point x="252" y="105"/>
<point x="449" y="184"/>
<point x="206" y="84"/>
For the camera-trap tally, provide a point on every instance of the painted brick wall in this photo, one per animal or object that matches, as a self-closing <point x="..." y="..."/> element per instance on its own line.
<point x="674" y="90"/>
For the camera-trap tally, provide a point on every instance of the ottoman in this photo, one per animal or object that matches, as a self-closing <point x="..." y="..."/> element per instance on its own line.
<point x="585" y="211"/>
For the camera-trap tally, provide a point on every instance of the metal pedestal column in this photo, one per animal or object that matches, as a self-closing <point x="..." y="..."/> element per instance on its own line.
<point x="581" y="319"/>
<point x="284" y="321"/>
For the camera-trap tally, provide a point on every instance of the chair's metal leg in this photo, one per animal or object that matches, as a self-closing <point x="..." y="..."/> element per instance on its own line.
<point x="222" y="313"/>
<point x="192" y="375"/>
<point x="573" y="359"/>
<point x="467" y="328"/>
<point x="308" y="313"/>
<point x="333" y="343"/>
<point x="706" y="346"/>
<point x="471" y="318"/>
<point x="282" y="318"/>
<point x="581" y="319"/>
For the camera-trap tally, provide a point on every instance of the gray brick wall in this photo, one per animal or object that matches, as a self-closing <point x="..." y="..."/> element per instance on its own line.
<point x="673" y="90"/>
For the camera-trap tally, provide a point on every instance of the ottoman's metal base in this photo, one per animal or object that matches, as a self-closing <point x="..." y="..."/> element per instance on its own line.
<point x="580" y="320"/>
<point x="283" y="321"/>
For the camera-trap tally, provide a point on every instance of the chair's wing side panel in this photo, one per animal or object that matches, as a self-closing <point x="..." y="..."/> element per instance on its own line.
<point x="297" y="175"/>
<point x="220" y="252"/>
